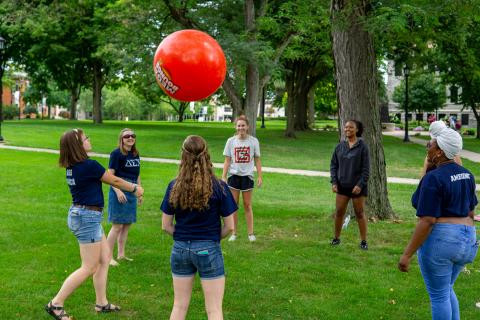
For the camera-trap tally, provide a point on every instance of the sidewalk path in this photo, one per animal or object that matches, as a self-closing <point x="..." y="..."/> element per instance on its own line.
<point x="472" y="156"/>
<point x="309" y="173"/>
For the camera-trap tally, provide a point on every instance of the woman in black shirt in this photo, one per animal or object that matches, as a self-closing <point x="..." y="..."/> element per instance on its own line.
<point x="349" y="171"/>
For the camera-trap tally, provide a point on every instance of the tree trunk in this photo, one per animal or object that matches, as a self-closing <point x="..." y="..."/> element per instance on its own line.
<point x="477" y="117"/>
<point x="301" y="105"/>
<point x="74" y="95"/>
<point x="356" y="74"/>
<point x="98" y="83"/>
<point x="290" y="109"/>
<point x="311" y="107"/>
<point x="181" y="110"/>
<point x="252" y="74"/>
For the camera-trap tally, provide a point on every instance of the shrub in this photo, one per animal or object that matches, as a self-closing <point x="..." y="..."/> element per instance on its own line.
<point x="468" y="132"/>
<point x="29" y="109"/>
<point x="10" y="112"/>
<point x="64" y="114"/>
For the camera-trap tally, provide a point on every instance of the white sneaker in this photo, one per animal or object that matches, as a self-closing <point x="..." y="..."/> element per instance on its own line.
<point x="252" y="238"/>
<point x="233" y="237"/>
<point x="113" y="263"/>
<point x="477" y="304"/>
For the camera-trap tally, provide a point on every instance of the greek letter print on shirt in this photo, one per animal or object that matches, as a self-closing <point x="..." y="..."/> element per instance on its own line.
<point x="242" y="154"/>
<point x="132" y="163"/>
<point x="70" y="179"/>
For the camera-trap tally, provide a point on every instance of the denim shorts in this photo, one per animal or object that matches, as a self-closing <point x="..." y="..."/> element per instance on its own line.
<point x="85" y="224"/>
<point x="206" y="257"/>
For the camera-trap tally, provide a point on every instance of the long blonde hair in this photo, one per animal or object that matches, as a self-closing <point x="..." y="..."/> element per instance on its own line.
<point x="195" y="180"/>
<point x="124" y="151"/>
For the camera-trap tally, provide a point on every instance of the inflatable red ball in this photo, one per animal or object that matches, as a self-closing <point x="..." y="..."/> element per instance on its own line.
<point x="189" y="65"/>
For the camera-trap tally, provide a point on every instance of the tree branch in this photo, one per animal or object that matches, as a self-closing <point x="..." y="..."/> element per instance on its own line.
<point x="180" y="16"/>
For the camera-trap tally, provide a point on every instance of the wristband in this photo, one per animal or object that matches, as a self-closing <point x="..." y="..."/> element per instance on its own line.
<point x="134" y="188"/>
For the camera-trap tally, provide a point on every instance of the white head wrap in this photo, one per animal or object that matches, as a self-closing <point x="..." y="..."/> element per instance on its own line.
<point x="448" y="140"/>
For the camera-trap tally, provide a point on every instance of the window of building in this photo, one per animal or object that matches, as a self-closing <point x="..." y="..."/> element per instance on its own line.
<point x="398" y="69"/>
<point x="454" y="94"/>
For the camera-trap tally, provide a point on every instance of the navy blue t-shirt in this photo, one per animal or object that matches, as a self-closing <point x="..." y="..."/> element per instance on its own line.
<point x="83" y="179"/>
<point x="125" y="166"/>
<point x="201" y="225"/>
<point x="447" y="191"/>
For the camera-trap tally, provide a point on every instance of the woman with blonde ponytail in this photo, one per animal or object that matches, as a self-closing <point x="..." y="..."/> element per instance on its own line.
<point x="199" y="202"/>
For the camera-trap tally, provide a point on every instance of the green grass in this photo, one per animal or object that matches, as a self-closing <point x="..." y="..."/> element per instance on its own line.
<point x="312" y="150"/>
<point x="290" y="273"/>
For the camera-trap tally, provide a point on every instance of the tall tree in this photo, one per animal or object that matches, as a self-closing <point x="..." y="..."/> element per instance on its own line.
<point x="356" y="77"/>
<point x="244" y="32"/>
<point x="456" y="47"/>
<point x="307" y="59"/>
<point x="426" y="92"/>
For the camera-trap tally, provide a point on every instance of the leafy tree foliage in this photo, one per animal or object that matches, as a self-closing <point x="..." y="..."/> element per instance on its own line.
<point x="426" y="93"/>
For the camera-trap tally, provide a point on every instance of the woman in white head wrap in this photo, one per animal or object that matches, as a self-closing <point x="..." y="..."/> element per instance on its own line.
<point x="436" y="128"/>
<point x="445" y="235"/>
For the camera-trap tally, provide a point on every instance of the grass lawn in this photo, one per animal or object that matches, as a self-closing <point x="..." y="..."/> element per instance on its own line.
<point x="312" y="150"/>
<point x="290" y="273"/>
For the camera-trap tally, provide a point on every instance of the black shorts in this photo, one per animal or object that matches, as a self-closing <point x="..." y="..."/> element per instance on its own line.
<point x="348" y="192"/>
<point x="241" y="183"/>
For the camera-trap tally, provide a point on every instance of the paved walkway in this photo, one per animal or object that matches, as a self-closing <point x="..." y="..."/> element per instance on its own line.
<point x="310" y="173"/>
<point x="472" y="156"/>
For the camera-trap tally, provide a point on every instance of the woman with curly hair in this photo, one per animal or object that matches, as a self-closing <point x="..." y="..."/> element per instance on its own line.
<point x="199" y="202"/>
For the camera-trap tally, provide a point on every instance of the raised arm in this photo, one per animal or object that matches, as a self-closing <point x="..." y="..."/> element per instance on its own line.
<point x="119" y="183"/>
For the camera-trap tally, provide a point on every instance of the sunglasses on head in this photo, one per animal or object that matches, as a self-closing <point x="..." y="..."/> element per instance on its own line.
<point x="128" y="136"/>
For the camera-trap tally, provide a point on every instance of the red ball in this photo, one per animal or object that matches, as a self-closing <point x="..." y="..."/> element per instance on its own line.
<point x="189" y="65"/>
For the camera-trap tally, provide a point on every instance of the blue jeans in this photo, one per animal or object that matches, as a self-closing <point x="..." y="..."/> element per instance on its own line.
<point x="441" y="258"/>
<point x="204" y="257"/>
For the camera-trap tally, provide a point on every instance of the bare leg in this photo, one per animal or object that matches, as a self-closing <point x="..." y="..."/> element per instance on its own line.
<point x="236" y="196"/>
<point x="122" y="239"/>
<point x="101" y="275"/>
<point x="247" y="207"/>
<point x="182" y="288"/>
<point x="113" y="236"/>
<point x="213" y="291"/>
<point x="90" y="255"/>
<point x="341" y="203"/>
<point x="358" y="205"/>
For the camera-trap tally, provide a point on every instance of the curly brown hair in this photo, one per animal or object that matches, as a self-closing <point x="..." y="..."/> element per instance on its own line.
<point x="195" y="180"/>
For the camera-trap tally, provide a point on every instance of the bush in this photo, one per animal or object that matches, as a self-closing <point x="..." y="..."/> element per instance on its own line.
<point x="64" y="114"/>
<point x="468" y="132"/>
<point x="10" y="112"/>
<point x="29" y="110"/>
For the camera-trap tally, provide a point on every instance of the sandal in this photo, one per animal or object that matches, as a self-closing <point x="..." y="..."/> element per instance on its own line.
<point x="50" y="308"/>
<point x="124" y="258"/>
<point x="107" y="308"/>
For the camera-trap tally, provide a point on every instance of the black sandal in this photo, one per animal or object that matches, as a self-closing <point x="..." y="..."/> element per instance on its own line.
<point x="107" y="308"/>
<point x="50" y="308"/>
